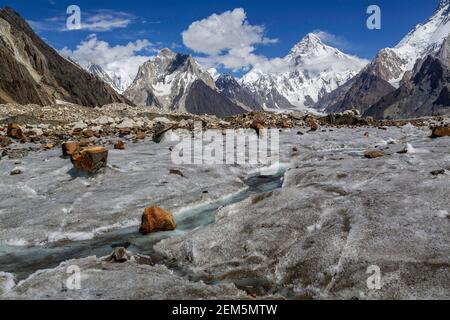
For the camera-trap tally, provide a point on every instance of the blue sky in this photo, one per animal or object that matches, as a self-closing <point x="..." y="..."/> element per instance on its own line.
<point x="162" y="22"/>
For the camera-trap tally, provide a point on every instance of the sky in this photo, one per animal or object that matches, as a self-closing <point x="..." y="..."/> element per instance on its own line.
<point x="232" y="35"/>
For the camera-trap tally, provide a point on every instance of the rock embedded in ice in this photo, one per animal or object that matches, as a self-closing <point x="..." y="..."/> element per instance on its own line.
<point x="119" y="145"/>
<point x="373" y="154"/>
<point x="156" y="219"/>
<point x="439" y="132"/>
<point x="176" y="172"/>
<point x="437" y="172"/>
<point x="16" y="171"/>
<point x="91" y="159"/>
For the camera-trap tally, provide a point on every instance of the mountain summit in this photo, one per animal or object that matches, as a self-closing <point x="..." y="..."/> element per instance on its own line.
<point x="175" y="81"/>
<point x="312" y="69"/>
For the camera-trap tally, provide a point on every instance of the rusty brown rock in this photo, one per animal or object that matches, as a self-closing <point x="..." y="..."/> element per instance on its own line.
<point x="5" y="141"/>
<point x="14" y="131"/>
<point x="119" y="145"/>
<point x="373" y="154"/>
<point x="70" y="148"/>
<point x="140" y="135"/>
<point x="90" y="160"/>
<point x="88" y="133"/>
<point x="439" y="132"/>
<point x="156" y="219"/>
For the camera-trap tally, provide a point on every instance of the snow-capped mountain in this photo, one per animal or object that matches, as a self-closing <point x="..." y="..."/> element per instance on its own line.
<point x="424" y="92"/>
<point x="312" y="70"/>
<point x="424" y="39"/>
<point x="176" y="82"/>
<point x="117" y="81"/>
<point x="213" y="73"/>
<point x="386" y="72"/>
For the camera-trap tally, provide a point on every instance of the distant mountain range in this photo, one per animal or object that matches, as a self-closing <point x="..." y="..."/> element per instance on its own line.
<point x="409" y="80"/>
<point x="33" y="72"/>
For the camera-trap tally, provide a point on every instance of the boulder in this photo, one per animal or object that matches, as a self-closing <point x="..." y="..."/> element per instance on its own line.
<point x="257" y="126"/>
<point x="373" y="154"/>
<point x="88" y="133"/>
<point x="119" y="145"/>
<point x="313" y="125"/>
<point x="437" y="172"/>
<point x="176" y="172"/>
<point x="125" y="124"/>
<point x="156" y="219"/>
<point x="78" y="126"/>
<point x="90" y="160"/>
<point x="140" y="135"/>
<point x="15" y="172"/>
<point x="5" y="141"/>
<point x="70" y="148"/>
<point x="440" y="131"/>
<point x="14" y="131"/>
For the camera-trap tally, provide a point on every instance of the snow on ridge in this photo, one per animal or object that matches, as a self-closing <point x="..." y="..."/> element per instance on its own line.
<point x="314" y="69"/>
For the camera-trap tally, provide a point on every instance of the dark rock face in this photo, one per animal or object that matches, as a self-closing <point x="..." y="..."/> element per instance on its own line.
<point x="360" y="94"/>
<point x="45" y="76"/>
<point x="204" y="100"/>
<point x="426" y="94"/>
<point x="238" y="94"/>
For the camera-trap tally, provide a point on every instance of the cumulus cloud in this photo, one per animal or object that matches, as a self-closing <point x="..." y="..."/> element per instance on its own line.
<point x="123" y="60"/>
<point x="227" y="39"/>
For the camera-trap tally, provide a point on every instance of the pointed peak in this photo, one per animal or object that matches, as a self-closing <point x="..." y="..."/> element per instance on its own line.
<point x="311" y="38"/>
<point x="309" y="44"/>
<point x="166" y="52"/>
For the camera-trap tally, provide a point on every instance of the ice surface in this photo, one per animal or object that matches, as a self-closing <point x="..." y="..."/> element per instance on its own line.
<point x="337" y="214"/>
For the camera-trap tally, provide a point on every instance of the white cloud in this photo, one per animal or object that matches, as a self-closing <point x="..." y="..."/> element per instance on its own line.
<point x="106" y="20"/>
<point x="332" y="39"/>
<point x="227" y="39"/>
<point x="123" y="60"/>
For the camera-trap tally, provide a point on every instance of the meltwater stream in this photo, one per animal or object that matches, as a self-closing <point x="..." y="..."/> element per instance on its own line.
<point x="23" y="261"/>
